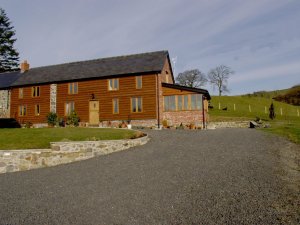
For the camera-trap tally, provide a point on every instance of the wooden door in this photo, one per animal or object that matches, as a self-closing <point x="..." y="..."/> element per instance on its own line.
<point x="94" y="113"/>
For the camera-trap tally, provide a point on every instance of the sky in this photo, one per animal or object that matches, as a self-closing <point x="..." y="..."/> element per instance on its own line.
<point x="258" y="39"/>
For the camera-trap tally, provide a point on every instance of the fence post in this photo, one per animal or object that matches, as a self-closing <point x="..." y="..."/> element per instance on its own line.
<point x="219" y="105"/>
<point x="265" y="109"/>
<point x="297" y="112"/>
<point x="234" y="107"/>
<point x="281" y="111"/>
<point x="249" y="108"/>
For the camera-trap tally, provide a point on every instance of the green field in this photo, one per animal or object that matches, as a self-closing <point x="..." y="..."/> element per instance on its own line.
<point x="34" y="138"/>
<point x="286" y="123"/>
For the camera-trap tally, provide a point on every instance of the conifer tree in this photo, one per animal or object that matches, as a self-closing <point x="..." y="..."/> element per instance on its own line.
<point x="9" y="57"/>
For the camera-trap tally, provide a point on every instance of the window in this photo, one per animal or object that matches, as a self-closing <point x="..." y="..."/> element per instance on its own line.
<point x="37" y="110"/>
<point x="69" y="107"/>
<point x="183" y="102"/>
<point x="36" y="91"/>
<point x="115" y="106"/>
<point x="21" y="92"/>
<point x="136" y="104"/>
<point x="73" y="88"/>
<point x="170" y="103"/>
<point x="138" y="82"/>
<point x="113" y="84"/>
<point x="22" y="110"/>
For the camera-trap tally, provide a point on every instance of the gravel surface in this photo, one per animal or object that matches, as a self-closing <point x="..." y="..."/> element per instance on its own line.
<point x="225" y="176"/>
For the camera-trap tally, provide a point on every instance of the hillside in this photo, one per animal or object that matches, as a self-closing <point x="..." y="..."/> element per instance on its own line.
<point x="290" y="95"/>
<point x="286" y="123"/>
<point x="251" y="107"/>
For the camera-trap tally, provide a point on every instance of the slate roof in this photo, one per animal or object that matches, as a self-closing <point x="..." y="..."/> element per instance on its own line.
<point x="197" y="90"/>
<point x="105" y="67"/>
<point x="8" y="78"/>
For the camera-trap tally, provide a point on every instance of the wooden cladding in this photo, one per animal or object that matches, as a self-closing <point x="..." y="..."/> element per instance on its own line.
<point x="113" y="105"/>
<point x="25" y="109"/>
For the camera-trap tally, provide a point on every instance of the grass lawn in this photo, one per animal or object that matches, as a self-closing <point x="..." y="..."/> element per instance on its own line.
<point x="34" y="138"/>
<point x="286" y="123"/>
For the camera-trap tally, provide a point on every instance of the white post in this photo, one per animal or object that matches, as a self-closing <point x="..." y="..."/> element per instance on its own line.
<point x="234" y="107"/>
<point x="219" y="105"/>
<point x="281" y="111"/>
<point x="265" y="109"/>
<point x="249" y="108"/>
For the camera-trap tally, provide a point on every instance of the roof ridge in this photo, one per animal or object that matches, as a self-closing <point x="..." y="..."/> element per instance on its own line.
<point x="105" y="58"/>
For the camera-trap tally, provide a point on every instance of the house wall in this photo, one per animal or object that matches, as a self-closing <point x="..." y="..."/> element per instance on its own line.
<point x="99" y="88"/>
<point x="4" y="103"/>
<point x="30" y="102"/>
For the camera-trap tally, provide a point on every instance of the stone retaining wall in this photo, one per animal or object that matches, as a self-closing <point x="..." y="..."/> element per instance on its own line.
<point x="61" y="153"/>
<point x="229" y="124"/>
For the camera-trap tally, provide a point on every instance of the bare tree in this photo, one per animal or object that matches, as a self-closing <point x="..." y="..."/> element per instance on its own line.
<point x="192" y="78"/>
<point x="219" y="76"/>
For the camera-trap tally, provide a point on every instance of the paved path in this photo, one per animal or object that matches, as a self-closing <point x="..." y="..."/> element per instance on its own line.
<point x="226" y="176"/>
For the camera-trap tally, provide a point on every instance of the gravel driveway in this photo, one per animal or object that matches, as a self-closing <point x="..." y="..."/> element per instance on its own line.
<point x="226" y="176"/>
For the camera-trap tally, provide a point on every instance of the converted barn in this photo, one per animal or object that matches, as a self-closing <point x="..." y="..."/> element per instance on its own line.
<point x="138" y="89"/>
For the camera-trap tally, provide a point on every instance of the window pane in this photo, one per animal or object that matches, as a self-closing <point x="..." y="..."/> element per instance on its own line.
<point x="24" y="110"/>
<point x="172" y="103"/>
<point x="138" y="82"/>
<point x="139" y="104"/>
<point x="20" y="92"/>
<point x="133" y="104"/>
<point x="116" y="85"/>
<point x="179" y="102"/>
<point x="75" y="88"/>
<point x="38" y="91"/>
<point x="166" y="103"/>
<point x="110" y="84"/>
<point x="115" y="105"/>
<point x="199" y="102"/>
<point x="193" y="102"/>
<point x="70" y="88"/>
<point x="186" y="102"/>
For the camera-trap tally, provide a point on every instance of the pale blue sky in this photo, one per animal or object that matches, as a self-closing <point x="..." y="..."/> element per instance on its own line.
<point x="258" y="39"/>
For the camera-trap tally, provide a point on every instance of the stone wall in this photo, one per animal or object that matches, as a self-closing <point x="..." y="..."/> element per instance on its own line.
<point x="4" y="103"/>
<point x="61" y="153"/>
<point x="135" y="123"/>
<point x="229" y="124"/>
<point x="53" y="91"/>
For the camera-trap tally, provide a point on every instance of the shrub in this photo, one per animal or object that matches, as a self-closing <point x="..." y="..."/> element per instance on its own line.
<point x="73" y="119"/>
<point x="52" y="118"/>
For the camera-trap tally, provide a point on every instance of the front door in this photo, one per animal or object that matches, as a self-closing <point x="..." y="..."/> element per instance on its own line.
<point x="94" y="112"/>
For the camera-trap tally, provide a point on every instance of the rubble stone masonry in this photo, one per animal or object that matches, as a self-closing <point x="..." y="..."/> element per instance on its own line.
<point x="4" y="103"/>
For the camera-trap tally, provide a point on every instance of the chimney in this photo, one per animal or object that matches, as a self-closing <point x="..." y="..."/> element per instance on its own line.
<point x="24" y="66"/>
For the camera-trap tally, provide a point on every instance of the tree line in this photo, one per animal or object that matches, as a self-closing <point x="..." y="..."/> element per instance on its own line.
<point x="217" y="77"/>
